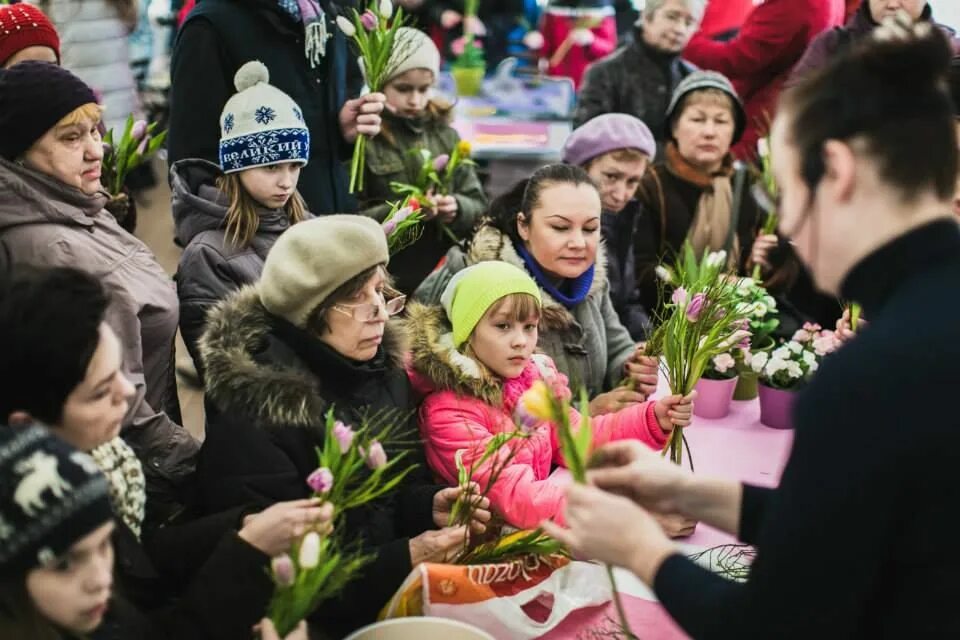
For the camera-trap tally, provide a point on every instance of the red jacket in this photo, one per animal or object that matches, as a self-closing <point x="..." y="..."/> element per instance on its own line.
<point x="760" y="58"/>
<point x="724" y="16"/>
<point x="559" y="22"/>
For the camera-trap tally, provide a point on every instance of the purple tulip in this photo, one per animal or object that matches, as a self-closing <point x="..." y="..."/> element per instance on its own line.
<point x="440" y="162"/>
<point x="389" y="227"/>
<point x="402" y="214"/>
<point x="525" y="421"/>
<point x="343" y="435"/>
<point x="321" y="480"/>
<point x="679" y="296"/>
<point x="139" y="130"/>
<point x="376" y="457"/>
<point x="283" y="571"/>
<point x="142" y="147"/>
<point x="368" y="20"/>
<point x="695" y="307"/>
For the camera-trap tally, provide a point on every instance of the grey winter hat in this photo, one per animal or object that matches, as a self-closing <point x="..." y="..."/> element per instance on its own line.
<point x="700" y="80"/>
<point x="51" y="496"/>
<point x="313" y="258"/>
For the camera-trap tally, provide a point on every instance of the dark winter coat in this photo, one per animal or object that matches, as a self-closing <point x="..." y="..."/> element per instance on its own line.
<point x="635" y="79"/>
<point x="269" y="386"/>
<point x="587" y="343"/>
<point x="830" y="43"/>
<point x="619" y="231"/>
<point x="220" y="36"/>
<point x="44" y="222"/>
<point x="211" y="266"/>
<point x="392" y="161"/>
<point x="668" y="204"/>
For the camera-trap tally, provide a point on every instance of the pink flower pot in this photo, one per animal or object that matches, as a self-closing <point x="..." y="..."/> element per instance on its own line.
<point x="776" y="407"/>
<point x="714" y="398"/>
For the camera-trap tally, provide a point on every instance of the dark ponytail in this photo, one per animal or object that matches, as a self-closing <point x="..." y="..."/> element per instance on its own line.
<point x="525" y="195"/>
<point x="891" y="94"/>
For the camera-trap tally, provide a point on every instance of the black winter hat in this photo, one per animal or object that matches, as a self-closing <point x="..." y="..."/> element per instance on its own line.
<point x="35" y="96"/>
<point x="51" y="496"/>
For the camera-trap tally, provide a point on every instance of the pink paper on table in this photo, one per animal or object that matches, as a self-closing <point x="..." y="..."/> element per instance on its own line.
<point x="737" y="447"/>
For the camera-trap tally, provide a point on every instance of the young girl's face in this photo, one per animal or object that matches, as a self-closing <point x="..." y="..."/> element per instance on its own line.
<point x="73" y="593"/>
<point x="505" y="337"/>
<point x="408" y="93"/>
<point x="272" y="186"/>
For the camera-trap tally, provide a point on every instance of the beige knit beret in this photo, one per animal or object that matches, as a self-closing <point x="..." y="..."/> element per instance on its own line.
<point x="313" y="258"/>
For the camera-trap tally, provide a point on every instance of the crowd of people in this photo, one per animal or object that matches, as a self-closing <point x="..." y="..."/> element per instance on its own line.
<point x="115" y="522"/>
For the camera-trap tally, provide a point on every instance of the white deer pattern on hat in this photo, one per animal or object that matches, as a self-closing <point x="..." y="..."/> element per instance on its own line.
<point x="39" y="474"/>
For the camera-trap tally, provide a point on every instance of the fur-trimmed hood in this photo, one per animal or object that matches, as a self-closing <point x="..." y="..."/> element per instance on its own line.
<point x="489" y="243"/>
<point x="251" y="371"/>
<point x="435" y="365"/>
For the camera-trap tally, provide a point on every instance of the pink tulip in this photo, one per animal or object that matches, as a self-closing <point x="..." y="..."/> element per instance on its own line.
<point x="139" y="130"/>
<point x="142" y="147"/>
<point x="343" y="435"/>
<point x="402" y="214"/>
<point x="368" y="20"/>
<point x="679" y="296"/>
<point x="283" y="571"/>
<point x="389" y="227"/>
<point x="440" y="162"/>
<point x="457" y="46"/>
<point x="695" y="307"/>
<point x="376" y="457"/>
<point x="321" y="480"/>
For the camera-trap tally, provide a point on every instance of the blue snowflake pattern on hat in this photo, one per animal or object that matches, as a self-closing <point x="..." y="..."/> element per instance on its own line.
<point x="228" y="123"/>
<point x="297" y="114"/>
<point x="264" y="115"/>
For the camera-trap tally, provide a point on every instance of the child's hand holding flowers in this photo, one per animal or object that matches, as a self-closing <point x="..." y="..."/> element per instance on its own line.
<point x="674" y="411"/>
<point x="274" y="529"/>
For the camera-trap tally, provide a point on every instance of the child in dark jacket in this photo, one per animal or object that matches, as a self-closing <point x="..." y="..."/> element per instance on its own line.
<point x="413" y="120"/>
<point x="229" y="216"/>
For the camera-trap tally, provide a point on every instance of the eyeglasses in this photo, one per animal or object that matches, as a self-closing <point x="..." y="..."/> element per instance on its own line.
<point x="370" y="312"/>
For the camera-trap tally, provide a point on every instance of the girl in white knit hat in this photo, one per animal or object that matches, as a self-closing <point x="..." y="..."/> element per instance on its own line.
<point x="414" y="120"/>
<point x="228" y="216"/>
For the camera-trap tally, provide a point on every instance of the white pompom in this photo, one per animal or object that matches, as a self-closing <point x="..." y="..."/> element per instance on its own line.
<point x="250" y="74"/>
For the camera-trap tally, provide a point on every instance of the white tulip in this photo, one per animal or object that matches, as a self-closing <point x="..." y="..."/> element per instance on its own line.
<point x="310" y="551"/>
<point x="763" y="148"/>
<point x="716" y="258"/>
<point x="346" y="26"/>
<point x="663" y="274"/>
<point x="386" y="9"/>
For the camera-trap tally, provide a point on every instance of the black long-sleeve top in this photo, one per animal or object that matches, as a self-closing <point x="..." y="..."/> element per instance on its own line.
<point x="857" y="540"/>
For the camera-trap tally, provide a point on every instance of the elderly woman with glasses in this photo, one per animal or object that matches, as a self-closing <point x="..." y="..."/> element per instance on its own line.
<point x="311" y="336"/>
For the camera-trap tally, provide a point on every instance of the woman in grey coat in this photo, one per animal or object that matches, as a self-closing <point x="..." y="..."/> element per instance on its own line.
<point x="550" y="226"/>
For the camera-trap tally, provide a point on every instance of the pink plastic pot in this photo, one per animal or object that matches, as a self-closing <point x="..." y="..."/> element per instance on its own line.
<point x="714" y="398"/>
<point x="776" y="407"/>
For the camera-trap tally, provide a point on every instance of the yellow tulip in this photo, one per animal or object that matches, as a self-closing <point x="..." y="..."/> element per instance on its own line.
<point x="536" y="401"/>
<point x="463" y="148"/>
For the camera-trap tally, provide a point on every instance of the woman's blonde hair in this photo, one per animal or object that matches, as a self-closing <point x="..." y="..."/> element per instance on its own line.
<point x="90" y="111"/>
<point x="243" y="217"/>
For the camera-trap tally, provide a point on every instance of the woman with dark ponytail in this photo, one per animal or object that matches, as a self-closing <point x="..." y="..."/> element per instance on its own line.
<point x="850" y="544"/>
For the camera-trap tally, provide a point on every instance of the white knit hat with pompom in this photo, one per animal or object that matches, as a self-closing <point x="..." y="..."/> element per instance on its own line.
<point x="260" y="125"/>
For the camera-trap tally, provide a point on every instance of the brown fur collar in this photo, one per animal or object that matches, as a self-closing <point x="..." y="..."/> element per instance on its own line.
<point x="433" y="357"/>
<point x="271" y="394"/>
<point x="489" y="243"/>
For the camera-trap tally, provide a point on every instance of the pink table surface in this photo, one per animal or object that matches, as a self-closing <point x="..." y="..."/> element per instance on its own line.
<point x="736" y="447"/>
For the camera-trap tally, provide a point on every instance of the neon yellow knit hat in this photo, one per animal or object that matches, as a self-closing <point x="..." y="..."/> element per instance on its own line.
<point x="475" y="289"/>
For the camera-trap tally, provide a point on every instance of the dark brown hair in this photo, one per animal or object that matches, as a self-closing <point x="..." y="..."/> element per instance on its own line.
<point x="19" y="617"/>
<point x="525" y="195"/>
<point x="890" y="95"/>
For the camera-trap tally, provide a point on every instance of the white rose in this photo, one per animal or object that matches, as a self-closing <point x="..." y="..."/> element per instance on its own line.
<point x="794" y="370"/>
<point x="758" y="361"/>
<point x="775" y="366"/>
<point x="796" y="347"/>
<point x="809" y="358"/>
<point x="781" y="353"/>
<point x="723" y="362"/>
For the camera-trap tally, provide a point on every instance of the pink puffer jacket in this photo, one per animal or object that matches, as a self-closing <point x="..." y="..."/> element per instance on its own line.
<point x="464" y="408"/>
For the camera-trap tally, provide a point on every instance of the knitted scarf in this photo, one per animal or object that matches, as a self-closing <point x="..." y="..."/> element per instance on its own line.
<point x="314" y="20"/>
<point x="710" y="227"/>
<point x="575" y="289"/>
<point x="128" y="487"/>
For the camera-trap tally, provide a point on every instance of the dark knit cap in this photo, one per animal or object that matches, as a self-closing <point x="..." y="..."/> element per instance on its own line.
<point x="51" y="496"/>
<point x="700" y="81"/>
<point x="35" y="96"/>
<point x="955" y="85"/>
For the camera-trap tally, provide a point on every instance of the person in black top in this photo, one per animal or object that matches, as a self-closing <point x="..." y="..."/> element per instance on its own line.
<point x="851" y="544"/>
